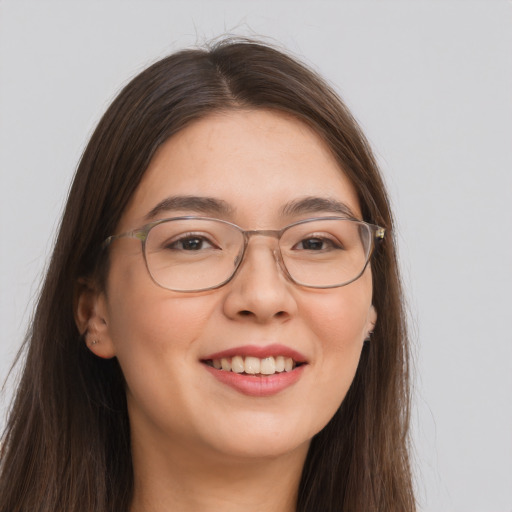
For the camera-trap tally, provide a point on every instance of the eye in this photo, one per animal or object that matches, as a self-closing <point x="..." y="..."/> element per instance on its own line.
<point x="317" y="243"/>
<point x="190" y="243"/>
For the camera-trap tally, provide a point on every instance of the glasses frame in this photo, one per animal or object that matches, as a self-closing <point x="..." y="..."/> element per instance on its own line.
<point x="142" y="234"/>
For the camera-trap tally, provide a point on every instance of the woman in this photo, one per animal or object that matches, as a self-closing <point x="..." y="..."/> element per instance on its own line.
<point x="221" y="326"/>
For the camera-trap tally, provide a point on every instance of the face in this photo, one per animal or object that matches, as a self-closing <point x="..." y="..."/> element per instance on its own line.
<point x="256" y="162"/>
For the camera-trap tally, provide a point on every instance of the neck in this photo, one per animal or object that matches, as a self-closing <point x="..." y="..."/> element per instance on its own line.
<point x="176" y="479"/>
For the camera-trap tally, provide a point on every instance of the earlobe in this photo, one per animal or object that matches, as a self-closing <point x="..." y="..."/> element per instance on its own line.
<point x="91" y="318"/>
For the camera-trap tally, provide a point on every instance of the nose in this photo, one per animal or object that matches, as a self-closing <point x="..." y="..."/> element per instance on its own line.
<point x="260" y="291"/>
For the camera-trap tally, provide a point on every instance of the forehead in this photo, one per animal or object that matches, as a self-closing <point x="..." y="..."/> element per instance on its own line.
<point x="256" y="161"/>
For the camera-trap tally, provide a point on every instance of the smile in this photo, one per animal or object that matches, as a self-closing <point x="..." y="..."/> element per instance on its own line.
<point x="250" y="365"/>
<point x="257" y="370"/>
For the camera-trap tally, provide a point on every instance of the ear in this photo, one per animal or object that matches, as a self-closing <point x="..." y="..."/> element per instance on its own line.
<point x="371" y="320"/>
<point x="91" y="317"/>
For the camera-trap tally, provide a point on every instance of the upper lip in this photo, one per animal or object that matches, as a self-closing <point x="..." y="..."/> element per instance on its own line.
<point x="259" y="351"/>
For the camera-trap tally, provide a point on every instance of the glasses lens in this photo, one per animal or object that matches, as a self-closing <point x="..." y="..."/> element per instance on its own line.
<point x="324" y="253"/>
<point x="192" y="254"/>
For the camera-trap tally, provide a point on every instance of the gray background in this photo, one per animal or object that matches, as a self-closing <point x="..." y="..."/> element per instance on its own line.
<point x="431" y="84"/>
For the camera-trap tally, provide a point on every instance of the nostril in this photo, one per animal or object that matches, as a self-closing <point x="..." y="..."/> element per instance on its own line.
<point x="245" y="312"/>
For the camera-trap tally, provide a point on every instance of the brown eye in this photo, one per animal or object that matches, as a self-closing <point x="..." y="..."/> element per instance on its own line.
<point x="317" y="244"/>
<point x="190" y="243"/>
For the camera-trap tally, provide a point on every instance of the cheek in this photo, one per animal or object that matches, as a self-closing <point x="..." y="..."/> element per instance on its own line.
<point x="338" y="321"/>
<point x="147" y="322"/>
<point x="339" y="317"/>
<point x="165" y="325"/>
<point x="338" y="328"/>
<point x="155" y="342"/>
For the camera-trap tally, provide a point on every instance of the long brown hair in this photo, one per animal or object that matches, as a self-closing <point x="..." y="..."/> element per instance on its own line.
<point x="66" y="446"/>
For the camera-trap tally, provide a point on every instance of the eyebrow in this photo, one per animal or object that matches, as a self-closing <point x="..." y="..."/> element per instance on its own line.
<point x="314" y="204"/>
<point x="203" y="205"/>
<point x="211" y="206"/>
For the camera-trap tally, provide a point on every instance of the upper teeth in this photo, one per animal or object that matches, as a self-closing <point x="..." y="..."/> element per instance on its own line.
<point x="254" y="365"/>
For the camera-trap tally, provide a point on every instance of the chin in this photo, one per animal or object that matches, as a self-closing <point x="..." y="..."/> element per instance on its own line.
<point x="263" y="447"/>
<point x="260" y="436"/>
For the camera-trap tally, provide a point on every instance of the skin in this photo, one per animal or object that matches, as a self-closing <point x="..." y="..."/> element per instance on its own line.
<point x="197" y="443"/>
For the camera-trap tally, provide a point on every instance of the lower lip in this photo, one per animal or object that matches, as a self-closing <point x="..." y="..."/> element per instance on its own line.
<point x="251" y="385"/>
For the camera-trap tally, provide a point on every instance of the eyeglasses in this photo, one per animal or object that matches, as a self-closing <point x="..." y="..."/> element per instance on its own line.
<point x="192" y="254"/>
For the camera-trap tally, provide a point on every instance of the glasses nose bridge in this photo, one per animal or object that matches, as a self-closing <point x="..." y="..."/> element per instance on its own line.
<point x="273" y="233"/>
<point x="269" y="233"/>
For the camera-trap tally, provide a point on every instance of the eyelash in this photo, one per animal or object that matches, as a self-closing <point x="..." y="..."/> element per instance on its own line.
<point x="188" y="237"/>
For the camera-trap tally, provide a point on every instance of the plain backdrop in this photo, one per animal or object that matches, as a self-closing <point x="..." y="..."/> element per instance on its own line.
<point x="431" y="84"/>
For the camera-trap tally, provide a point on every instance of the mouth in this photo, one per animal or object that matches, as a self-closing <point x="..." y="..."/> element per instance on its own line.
<point x="254" y="366"/>
<point x="257" y="370"/>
